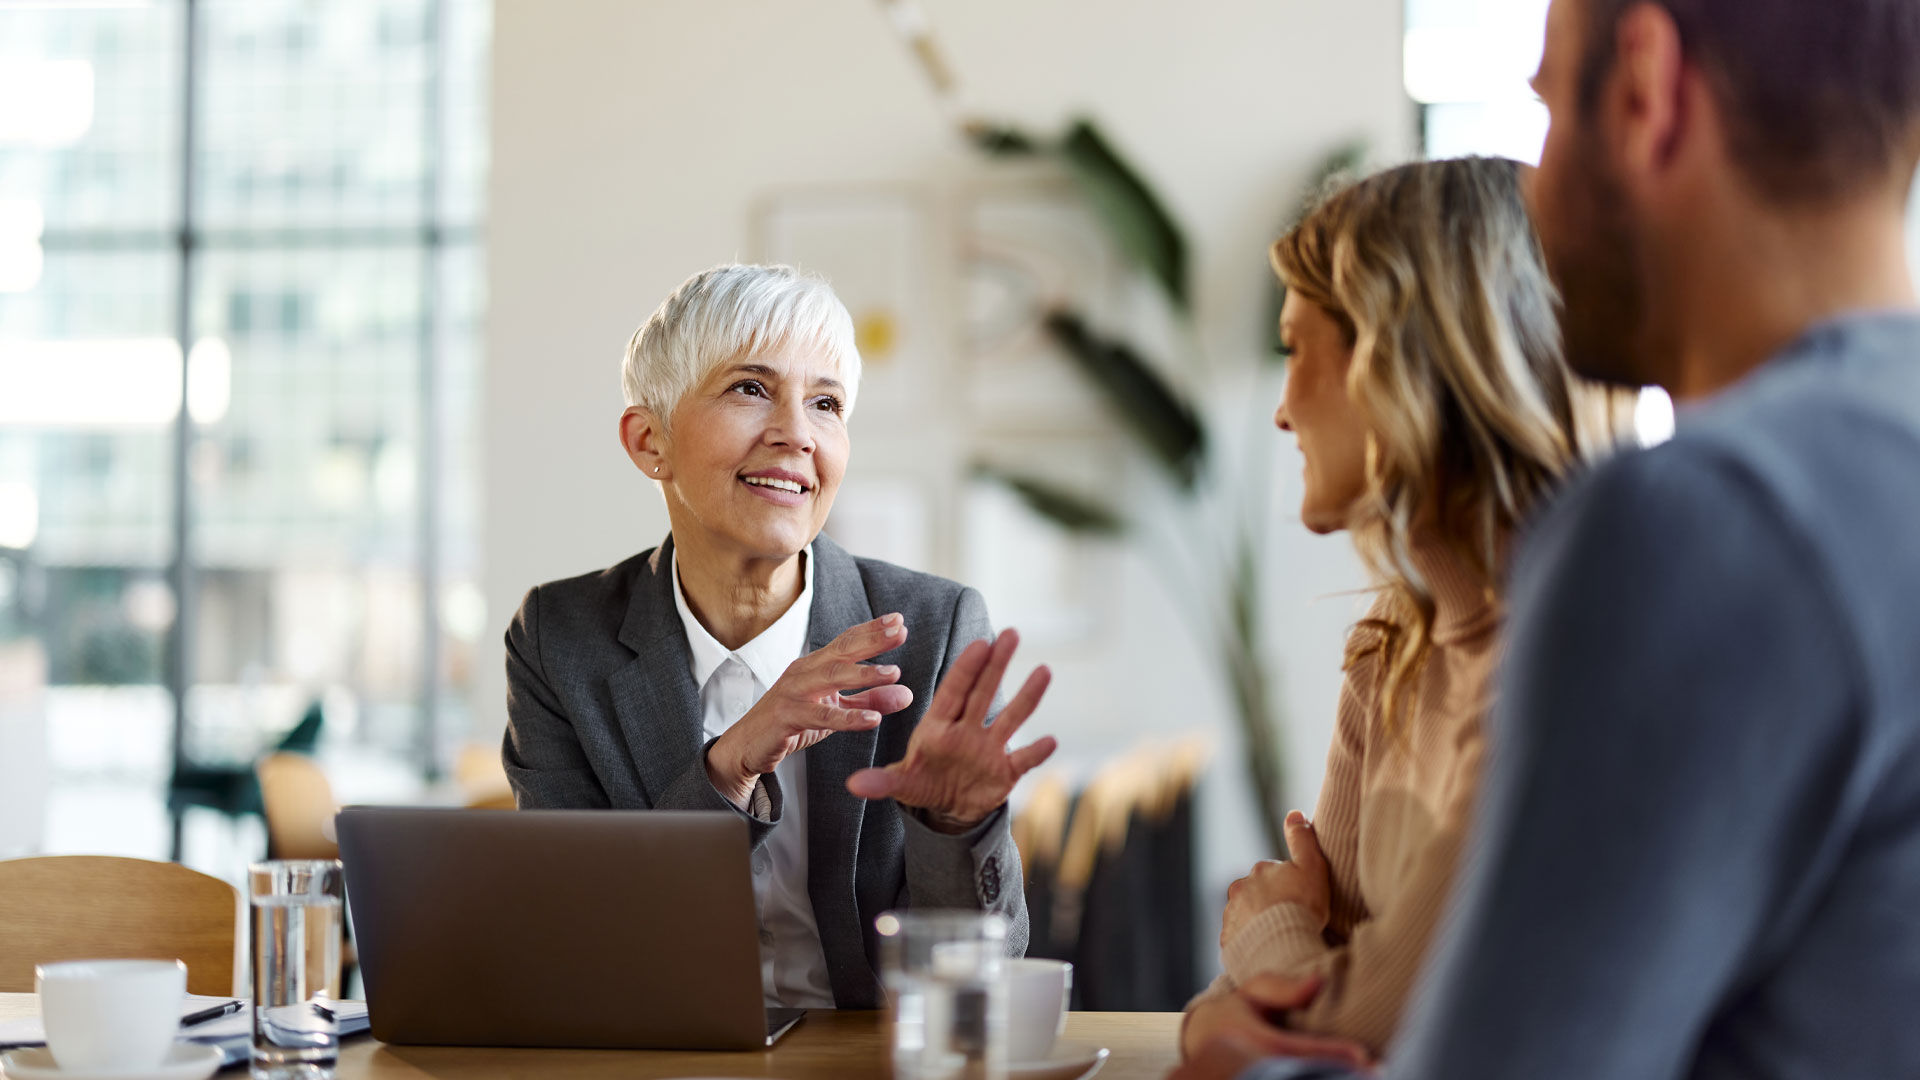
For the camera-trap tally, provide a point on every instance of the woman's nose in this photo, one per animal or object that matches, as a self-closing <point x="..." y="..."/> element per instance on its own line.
<point x="789" y="428"/>
<point x="1280" y="418"/>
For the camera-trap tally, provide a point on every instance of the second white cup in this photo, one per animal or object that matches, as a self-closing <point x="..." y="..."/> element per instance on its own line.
<point x="1037" y="996"/>
<point x="111" y="1015"/>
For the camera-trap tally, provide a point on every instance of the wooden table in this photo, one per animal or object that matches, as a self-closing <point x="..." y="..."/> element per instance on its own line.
<point x="828" y="1045"/>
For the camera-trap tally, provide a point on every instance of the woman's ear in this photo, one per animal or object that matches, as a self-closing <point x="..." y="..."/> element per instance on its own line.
<point x="644" y="442"/>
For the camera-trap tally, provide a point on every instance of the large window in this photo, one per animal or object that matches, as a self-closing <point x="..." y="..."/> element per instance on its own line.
<point x="1467" y="63"/>
<point x="239" y="295"/>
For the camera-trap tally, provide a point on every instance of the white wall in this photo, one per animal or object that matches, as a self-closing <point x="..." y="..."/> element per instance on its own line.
<point x="633" y="140"/>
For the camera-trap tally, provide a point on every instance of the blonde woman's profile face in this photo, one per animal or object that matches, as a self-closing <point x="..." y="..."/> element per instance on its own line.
<point x="1320" y="414"/>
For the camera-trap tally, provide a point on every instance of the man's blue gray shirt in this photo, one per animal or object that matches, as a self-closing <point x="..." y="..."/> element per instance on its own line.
<point x="1698" y="848"/>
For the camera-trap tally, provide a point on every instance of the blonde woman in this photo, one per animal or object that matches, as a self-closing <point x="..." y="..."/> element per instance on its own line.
<point x="1430" y="402"/>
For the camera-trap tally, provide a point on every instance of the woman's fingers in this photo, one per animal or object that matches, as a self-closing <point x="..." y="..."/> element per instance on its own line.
<point x="829" y="718"/>
<point x="1032" y="754"/>
<point x="1022" y="705"/>
<point x="951" y="695"/>
<point x="906" y="786"/>
<point x="1284" y="1043"/>
<point x="1220" y="1059"/>
<point x="980" y="697"/>
<point x="1302" y="845"/>
<point x="837" y="675"/>
<point x="1235" y="1019"/>
<point x="874" y="783"/>
<point x="885" y="700"/>
<point x="869" y="639"/>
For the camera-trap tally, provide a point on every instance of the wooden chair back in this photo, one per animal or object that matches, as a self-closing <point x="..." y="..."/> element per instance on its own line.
<point x="1148" y="782"/>
<point x="299" y="803"/>
<point x="482" y="777"/>
<point x="99" y="907"/>
<point x="1040" y="827"/>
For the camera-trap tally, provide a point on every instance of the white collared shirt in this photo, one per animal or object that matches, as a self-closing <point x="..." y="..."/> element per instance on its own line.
<point x="793" y="965"/>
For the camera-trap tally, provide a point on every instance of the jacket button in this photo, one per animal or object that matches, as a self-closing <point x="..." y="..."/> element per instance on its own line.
<point x="990" y="879"/>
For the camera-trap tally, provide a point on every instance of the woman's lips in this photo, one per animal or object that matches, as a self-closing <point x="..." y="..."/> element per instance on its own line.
<point x="775" y="495"/>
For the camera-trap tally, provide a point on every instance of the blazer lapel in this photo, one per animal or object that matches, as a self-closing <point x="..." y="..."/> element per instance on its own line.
<point x="834" y="815"/>
<point x="654" y="697"/>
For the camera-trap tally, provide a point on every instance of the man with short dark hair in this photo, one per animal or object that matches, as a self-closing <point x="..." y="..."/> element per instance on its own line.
<point x="1698" y="850"/>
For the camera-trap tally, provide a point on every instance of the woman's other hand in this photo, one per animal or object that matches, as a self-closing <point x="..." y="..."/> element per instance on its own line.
<point x="1302" y="880"/>
<point x="807" y="705"/>
<point x="1248" y="1018"/>
<point x="957" y="767"/>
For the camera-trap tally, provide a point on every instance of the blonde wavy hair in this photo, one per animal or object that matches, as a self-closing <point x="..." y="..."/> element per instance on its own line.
<point x="1435" y="275"/>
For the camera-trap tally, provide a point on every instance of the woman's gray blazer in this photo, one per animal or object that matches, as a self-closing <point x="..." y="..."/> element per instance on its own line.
<point x="603" y="712"/>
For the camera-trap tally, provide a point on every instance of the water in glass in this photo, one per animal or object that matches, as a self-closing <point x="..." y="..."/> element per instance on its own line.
<point x="296" y="972"/>
<point x="942" y="974"/>
<point x="946" y="1028"/>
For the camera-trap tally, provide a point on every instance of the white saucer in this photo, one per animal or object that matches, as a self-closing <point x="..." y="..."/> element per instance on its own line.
<point x="1067" y="1063"/>
<point x="185" y="1061"/>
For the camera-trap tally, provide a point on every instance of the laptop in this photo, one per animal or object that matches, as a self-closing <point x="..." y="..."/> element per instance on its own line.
<point x="560" y="928"/>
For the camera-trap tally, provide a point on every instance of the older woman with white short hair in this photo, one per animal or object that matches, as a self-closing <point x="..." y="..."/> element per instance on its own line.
<point x="844" y="708"/>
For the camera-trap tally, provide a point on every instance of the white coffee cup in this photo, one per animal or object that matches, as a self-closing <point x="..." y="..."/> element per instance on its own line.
<point x="111" y="1015"/>
<point x="1037" y="996"/>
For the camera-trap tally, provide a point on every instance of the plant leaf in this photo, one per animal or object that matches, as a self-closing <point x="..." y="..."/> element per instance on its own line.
<point x="1133" y="213"/>
<point x="1159" y="416"/>
<point x="1342" y="159"/>
<point x="1069" y="510"/>
<point x="1245" y="584"/>
<point x="1001" y="140"/>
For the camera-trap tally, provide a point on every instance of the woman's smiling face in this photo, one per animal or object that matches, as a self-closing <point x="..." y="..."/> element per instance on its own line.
<point x="756" y="451"/>
<point x="1320" y="414"/>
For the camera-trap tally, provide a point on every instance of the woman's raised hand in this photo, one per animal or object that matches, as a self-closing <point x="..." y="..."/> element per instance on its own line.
<point x="957" y="766"/>
<point x="807" y="705"/>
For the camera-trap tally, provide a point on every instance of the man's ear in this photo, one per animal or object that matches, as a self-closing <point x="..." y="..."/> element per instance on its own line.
<point x="1648" y="95"/>
<point x="644" y="442"/>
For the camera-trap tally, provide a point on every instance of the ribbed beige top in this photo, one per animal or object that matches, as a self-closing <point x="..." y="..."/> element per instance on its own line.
<point x="1393" y="813"/>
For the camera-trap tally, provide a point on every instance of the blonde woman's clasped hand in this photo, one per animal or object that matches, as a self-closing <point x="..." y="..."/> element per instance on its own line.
<point x="1302" y="880"/>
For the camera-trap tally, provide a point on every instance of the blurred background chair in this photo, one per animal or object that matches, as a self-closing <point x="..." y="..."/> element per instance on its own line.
<point x="298" y="802"/>
<point x="132" y="909"/>
<point x="299" y="806"/>
<point x="1111" y="879"/>
<point x="482" y="778"/>
<point x="234" y="790"/>
<point x="1039" y="830"/>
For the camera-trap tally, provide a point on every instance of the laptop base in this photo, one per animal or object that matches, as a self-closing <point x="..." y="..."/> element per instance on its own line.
<point x="781" y="1021"/>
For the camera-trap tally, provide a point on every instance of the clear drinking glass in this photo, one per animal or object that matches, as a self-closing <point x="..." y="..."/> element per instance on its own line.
<point x="296" y="968"/>
<point x="948" y="1001"/>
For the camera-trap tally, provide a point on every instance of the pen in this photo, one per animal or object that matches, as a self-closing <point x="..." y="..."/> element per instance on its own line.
<point x="213" y="1013"/>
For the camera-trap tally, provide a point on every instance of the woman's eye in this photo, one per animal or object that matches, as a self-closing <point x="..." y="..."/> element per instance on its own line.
<point x="830" y="404"/>
<point x="750" y="387"/>
<point x="1283" y="350"/>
